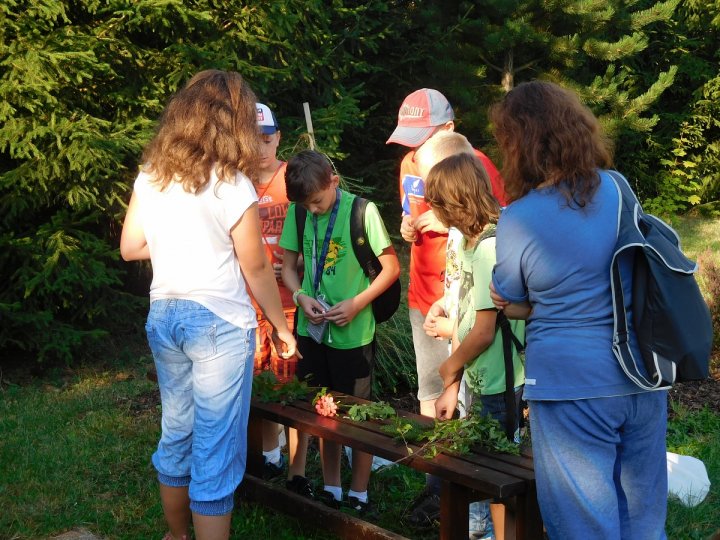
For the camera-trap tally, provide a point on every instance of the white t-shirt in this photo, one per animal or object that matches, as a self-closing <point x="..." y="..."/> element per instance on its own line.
<point x="191" y="249"/>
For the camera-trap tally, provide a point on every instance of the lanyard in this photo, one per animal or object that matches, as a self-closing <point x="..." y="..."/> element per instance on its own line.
<point x="319" y="264"/>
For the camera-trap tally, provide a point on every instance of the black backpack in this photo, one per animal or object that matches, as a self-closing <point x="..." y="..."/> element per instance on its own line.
<point x="385" y="305"/>
<point x="669" y="315"/>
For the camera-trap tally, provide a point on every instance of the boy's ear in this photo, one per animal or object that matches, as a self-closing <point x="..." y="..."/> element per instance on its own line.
<point x="449" y="126"/>
<point x="335" y="180"/>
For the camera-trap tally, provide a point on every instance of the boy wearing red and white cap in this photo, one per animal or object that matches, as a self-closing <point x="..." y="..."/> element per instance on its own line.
<point x="422" y="114"/>
<point x="272" y="206"/>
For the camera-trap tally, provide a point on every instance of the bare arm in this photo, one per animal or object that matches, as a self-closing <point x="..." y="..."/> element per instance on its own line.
<point x="133" y="246"/>
<point x="478" y="339"/>
<point x="428" y="222"/>
<point x="344" y="312"/>
<point x="259" y="274"/>
<point x="520" y="310"/>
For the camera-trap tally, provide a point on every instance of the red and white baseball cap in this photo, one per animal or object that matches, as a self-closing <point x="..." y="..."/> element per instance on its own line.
<point x="420" y="113"/>
<point x="266" y="119"/>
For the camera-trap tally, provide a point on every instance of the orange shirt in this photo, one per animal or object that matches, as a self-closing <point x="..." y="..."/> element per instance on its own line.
<point x="272" y="206"/>
<point x="427" y="253"/>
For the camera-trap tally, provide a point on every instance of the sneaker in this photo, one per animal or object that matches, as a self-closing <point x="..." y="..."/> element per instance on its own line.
<point x="301" y="486"/>
<point x="273" y="470"/>
<point x="365" y="510"/>
<point x="328" y="499"/>
<point x="425" y="510"/>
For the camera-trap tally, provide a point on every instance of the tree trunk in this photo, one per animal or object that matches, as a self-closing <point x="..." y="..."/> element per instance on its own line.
<point x="508" y="73"/>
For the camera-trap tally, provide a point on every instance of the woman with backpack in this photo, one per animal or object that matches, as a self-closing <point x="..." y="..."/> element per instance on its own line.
<point x="598" y="439"/>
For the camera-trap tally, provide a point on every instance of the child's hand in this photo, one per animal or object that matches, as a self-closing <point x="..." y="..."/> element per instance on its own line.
<point x="437" y="324"/>
<point x="278" y="265"/>
<point x="312" y="309"/>
<point x="285" y="343"/>
<point x="407" y="230"/>
<point x="342" y="312"/>
<point x="497" y="300"/>
<point x="428" y="222"/>
<point x="447" y="402"/>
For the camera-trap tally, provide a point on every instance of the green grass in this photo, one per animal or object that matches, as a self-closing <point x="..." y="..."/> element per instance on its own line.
<point x="698" y="234"/>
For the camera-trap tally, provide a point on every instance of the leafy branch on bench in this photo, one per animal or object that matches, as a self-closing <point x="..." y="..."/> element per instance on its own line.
<point x="456" y="436"/>
<point x="377" y="410"/>
<point x="267" y="389"/>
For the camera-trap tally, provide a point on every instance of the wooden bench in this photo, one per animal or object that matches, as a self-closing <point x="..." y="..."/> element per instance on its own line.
<point x="479" y="475"/>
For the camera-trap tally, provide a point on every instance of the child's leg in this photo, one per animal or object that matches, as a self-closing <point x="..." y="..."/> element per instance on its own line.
<point x="497" y="513"/>
<point x="212" y="527"/>
<point x="297" y="452"/>
<point x="176" y="508"/>
<point x="330" y="457"/>
<point x="361" y="467"/>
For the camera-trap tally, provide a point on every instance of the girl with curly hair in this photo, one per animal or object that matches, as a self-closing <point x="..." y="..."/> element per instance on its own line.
<point x="194" y="214"/>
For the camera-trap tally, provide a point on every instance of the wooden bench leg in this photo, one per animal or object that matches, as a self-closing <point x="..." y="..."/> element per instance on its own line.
<point x="454" y="501"/>
<point x="255" y="459"/>
<point x="531" y="523"/>
<point x="522" y="518"/>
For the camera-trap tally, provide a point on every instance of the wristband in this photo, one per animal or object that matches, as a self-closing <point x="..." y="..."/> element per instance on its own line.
<point x="296" y="294"/>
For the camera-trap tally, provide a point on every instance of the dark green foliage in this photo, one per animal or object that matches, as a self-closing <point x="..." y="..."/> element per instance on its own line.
<point x="82" y="84"/>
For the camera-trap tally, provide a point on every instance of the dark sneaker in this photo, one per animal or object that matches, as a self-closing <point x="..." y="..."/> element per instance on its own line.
<point x="328" y="499"/>
<point x="272" y="470"/>
<point x="301" y="486"/>
<point x="362" y="509"/>
<point x="425" y="510"/>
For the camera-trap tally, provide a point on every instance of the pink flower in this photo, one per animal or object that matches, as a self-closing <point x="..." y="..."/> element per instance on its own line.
<point x="326" y="406"/>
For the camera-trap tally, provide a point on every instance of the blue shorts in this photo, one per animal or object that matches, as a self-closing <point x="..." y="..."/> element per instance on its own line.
<point x="601" y="467"/>
<point x="204" y="367"/>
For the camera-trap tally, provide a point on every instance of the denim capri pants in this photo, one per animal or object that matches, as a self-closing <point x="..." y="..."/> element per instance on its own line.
<point x="204" y="367"/>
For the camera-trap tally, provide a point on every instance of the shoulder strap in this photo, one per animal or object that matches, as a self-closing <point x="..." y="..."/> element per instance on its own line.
<point x="360" y="243"/>
<point x="509" y="339"/>
<point x="300" y="215"/>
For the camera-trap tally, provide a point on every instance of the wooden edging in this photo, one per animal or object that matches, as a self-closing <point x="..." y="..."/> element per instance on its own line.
<point x="312" y="512"/>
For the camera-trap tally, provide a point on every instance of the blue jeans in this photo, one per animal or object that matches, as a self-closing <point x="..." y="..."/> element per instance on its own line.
<point x="204" y="366"/>
<point x="600" y="466"/>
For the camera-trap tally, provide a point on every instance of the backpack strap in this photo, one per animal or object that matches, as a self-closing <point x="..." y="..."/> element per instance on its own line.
<point x="509" y="339"/>
<point x="360" y="243"/>
<point x="300" y="215"/>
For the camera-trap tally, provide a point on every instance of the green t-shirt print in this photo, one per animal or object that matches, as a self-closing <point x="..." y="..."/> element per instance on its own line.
<point x="486" y="374"/>
<point x="342" y="276"/>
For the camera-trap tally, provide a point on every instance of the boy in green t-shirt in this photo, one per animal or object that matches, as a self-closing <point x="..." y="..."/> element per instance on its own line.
<point x="343" y="358"/>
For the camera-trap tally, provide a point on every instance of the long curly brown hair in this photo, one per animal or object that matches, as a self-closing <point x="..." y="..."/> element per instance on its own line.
<point x="211" y="122"/>
<point x="547" y="136"/>
<point x="459" y="192"/>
